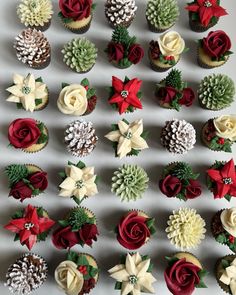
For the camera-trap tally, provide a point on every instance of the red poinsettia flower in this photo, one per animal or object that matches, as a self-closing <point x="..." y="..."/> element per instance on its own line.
<point x="206" y="10"/>
<point x="125" y="94"/>
<point x="29" y="226"/>
<point x="225" y="180"/>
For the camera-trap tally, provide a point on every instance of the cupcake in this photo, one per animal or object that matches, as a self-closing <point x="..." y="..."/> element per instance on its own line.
<point x="179" y="181"/>
<point x="172" y="92"/>
<point x="216" y="92"/>
<point x="28" y="134"/>
<point x="161" y="15"/>
<point x="26" y="181"/>
<point x="166" y="51"/>
<point x="128" y="138"/>
<point x="214" y="50"/>
<point x="135" y="229"/>
<point x="223" y="227"/>
<point x="134" y="274"/>
<point x="79" y="227"/>
<point x="30" y="225"/>
<point x="122" y="50"/>
<point x="78" y="182"/>
<point x="221" y="179"/>
<point x="77" y="99"/>
<point x="184" y="273"/>
<point x="120" y="12"/>
<point x="33" y="49"/>
<point x="78" y="274"/>
<point x="35" y="14"/>
<point x="80" y="55"/>
<point x="80" y="138"/>
<point x="129" y="182"/>
<point x="76" y="15"/>
<point x="186" y="228"/>
<point x="28" y="93"/>
<point x="26" y="274"/>
<point x="225" y="273"/>
<point x="125" y="96"/>
<point x="204" y="14"/>
<point x="178" y="136"/>
<point x="219" y="134"/>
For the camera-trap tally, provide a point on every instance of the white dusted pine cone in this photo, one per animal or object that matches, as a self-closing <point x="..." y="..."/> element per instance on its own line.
<point x="33" y="48"/>
<point x="27" y="274"/>
<point x="80" y="138"/>
<point x="178" y="136"/>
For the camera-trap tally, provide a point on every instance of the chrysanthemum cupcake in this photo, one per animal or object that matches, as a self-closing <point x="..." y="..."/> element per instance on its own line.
<point x="225" y="273"/>
<point x="28" y="134"/>
<point x="78" y="274"/>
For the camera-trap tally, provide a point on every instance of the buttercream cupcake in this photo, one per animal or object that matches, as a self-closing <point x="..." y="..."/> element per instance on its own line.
<point x="219" y="134"/>
<point x="79" y="182"/>
<point x="133" y="273"/>
<point x="179" y="181"/>
<point x="186" y="228"/>
<point x="78" y="274"/>
<point x="33" y="49"/>
<point x="79" y="227"/>
<point x="35" y="14"/>
<point x="125" y="96"/>
<point x="28" y="134"/>
<point x="28" y="93"/>
<point x="120" y="12"/>
<point x="26" y="274"/>
<point x="30" y="225"/>
<point x="129" y="182"/>
<point x="77" y="99"/>
<point x="166" y="51"/>
<point x="173" y="93"/>
<point x="135" y="229"/>
<point x="80" y="55"/>
<point x="26" y="181"/>
<point x="128" y="138"/>
<point x="76" y="15"/>
<point x="178" y="136"/>
<point x="161" y="15"/>
<point x="80" y="138"/>
<point x="184" y="273"/>
<point x="221" y="179"/>
<point x="122" y="50"/>
<point x="204" y="14"/>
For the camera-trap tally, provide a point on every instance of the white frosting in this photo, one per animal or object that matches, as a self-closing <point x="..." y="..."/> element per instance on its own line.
<point x="171" y="44"/>
<point x="228" y="220"/>
<point x="226" y="126"/>
<point x="229" y="277"/>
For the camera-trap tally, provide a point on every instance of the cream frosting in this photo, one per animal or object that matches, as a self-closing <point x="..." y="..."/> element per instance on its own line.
<point x="226" y="127"/>
<point x="171" y="44"/>
<point x="228" y="220"/>
<point x="229" y="277"/>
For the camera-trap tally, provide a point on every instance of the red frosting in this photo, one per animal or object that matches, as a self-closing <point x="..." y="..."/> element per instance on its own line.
<point x="136" y="53"/>
<point x="170" y="186"/>
<point x="167" y="94"/>
<point x="115" y="51"/>
<point x="87" y="286"/>
<point x="188" y="97"/>
<point x="75" y="9"/>
<point x="193" y="190"/>
<point x="21" y="191"/>
<point x="39" y="180"/>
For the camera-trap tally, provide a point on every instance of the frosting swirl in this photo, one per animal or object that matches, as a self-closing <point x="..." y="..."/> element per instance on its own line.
<point x="228" y="220"/>
<point x="171" y="44"/>
<point x="226" y="127"/>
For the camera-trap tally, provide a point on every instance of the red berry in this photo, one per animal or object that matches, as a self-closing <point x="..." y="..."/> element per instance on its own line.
<point x="231" y="239"/>
<point x="83" y="269"/>
<point x="221" y="140"/>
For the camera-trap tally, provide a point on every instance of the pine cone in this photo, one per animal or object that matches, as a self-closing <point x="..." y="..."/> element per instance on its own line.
<point x="32" y="48"/>
<point x="154" y="49"/>
<point x="178" y="136"/>
<point x="27" y="274"/>
<point x="216" y="224"/>
<point x="80" y="138"/>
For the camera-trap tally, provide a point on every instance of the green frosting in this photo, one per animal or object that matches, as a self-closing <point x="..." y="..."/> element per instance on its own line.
<point x="183" y="171"/>
<point x="129" y="182"/>
<point x="162" y="13"/>
<point x="80" y="54"/>
<point x="216" y="91"/>
<point x="121" y="35"/>
<point x="16" y="173"/>
<point x="174" y="79"/>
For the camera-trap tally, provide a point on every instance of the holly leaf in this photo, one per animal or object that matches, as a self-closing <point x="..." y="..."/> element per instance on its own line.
<point x="82" y="260"/>
<point x="228" y="197"/>
<point x="94" y="6"/>
<point x="19" y="106"/>
<point x="39" y="79"/>
<point x="63" y="85"/>
<point x="150" y="222"/>
<point x="62" y="174"/>
<point x="80" y="165"/>
<point x="18" y="214"/>
<point x="42" y="139"/>
<point x="201" y="285"/>
<point x="181" y="196"/>
<point x="118" y="286"/>
<point x="72" y="256"/>
<point x="91" y="92"/>
<point x="221" y="239"/>
<point x="40" y="211"/>
<point x="42" y="236"/>
<point x="64" y="19"/>
<point x="36" y="192"/>
<point x="38" y="101"/>
<point x="114" y="127"/>
<point x="225" y="263"/>
<point x="63" y="223"/>
<point x="152" y="230"/>
<point x="171" y="260"/>
<point x="85" y="82"/>
<point x="16" y="238"/>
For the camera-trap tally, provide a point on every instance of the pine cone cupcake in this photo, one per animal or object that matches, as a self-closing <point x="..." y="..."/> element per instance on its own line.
<point x="33" y="49"/>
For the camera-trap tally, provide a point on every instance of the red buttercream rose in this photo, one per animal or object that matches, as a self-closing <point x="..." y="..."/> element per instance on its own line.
<point x="87" y="286"/>
<point x="39" y="180"/>
<point x="193" y="190"/>
<point x="65" y="238"/>
<point x="115" y="51"/>
<point x="20" y="191"/>
<point x="188" y="97"/>
<point x="88" y="233"/>
<point x="75" y="9"/>
<point x="170" y="186"/>
<point x="133" y="231"/>
<point x="23" y="133"/>
<point x="136" y="53"/>
<point x="166" y="94"/>
<point x="182" y="277"/>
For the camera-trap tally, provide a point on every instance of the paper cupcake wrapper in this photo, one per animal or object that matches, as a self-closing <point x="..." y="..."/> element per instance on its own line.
<point x="189" y="253"/>
<point x="81" y="30"/>
<point x="43" y="65"/>
<point x="198" y="27"/>
<point x="44" y="103"/>
<point x="153" y="29"/>
<point x="124" y="24"/>
<point x="207" y="66"/>
<point x="42" y="28"/>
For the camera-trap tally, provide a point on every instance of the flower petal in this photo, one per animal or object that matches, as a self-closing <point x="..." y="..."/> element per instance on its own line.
<point x="138" y="143"/>
<point x="113" y="135"/>
<point x="117" y="84"/>
<point x="123" y="127"/>
<point x="124" y="147"/>
<point x="126" y="288"/>
<point x="18" y="79"/>
<point x="130" y="265"/>
<point x="68" y="184"/>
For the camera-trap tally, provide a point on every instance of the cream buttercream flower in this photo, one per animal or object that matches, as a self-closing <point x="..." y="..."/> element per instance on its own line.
<point x="171" y="44"/>
<point x="73" y="100"/>
<point x="128" y="137"/>
<point x="69" y="279"/>
<point x="228" y="277"/>
<point x="226" y="127"/>
<point x="228" y="220"/>
<point x="134" y="275"/>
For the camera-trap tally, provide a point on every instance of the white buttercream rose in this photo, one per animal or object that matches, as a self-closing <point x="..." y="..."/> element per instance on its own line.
<point x="228" y="220"/>
<point x="171" y="44"/>
<point x="226" y="127"/>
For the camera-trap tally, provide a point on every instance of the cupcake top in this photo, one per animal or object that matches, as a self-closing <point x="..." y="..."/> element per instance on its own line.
<point x="35" y="13"/>
<point x="133" y="274"/>
<point x="226" y="273"/>
<point x="30" y="225"/>
<point x="128" y="138"/>
<point x="74" y="10"/>
<point x="186" y="228"/>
